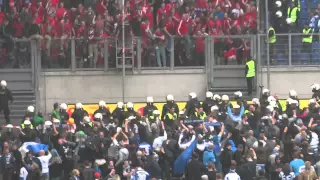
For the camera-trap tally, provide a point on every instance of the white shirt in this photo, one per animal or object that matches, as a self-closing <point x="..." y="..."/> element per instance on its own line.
<point x="45" y="163"/>
<point x="23" y="173"/>
<point x="232" y="176"/>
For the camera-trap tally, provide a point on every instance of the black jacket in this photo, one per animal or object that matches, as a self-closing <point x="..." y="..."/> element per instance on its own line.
<point x="31" y="29"/>
<point x="194" y="170"/>
<point x="5" y="97"/>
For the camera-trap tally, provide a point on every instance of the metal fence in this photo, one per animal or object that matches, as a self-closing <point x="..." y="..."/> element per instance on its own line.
<point x="175" y="52"/>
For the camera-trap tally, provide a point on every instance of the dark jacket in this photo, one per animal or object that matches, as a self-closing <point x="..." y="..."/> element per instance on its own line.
<point x="5" y="97"/>
<point x="247" y="170"/>
<point x="31" y="29"/>
<point x="194" y="170"/>
<point x="87" y="174"/>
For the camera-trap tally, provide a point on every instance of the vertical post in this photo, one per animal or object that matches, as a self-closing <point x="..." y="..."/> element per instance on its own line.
<point x="33" y="60"/>
<point x="172" y="53"/>
<point x="259" y="70"/>
<point x="268" y="48"/>
<point x="37" y="78"/>
<point x="106" y="55"/>
<point x="73" y="55"/>
<point x="139" y="54"/>
<point x="123" y="53"/>
<point x="258" y="15"/>
<point x="290" y="50"/>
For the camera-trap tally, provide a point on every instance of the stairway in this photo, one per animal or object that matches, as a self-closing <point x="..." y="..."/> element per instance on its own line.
<point x="227" y="79"/>
<point x="21" y="100"/>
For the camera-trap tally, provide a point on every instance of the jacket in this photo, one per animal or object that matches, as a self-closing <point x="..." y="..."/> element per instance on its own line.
<point x="208" y="156"/>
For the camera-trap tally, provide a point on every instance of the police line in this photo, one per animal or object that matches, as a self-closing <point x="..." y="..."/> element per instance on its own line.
<point x="90" y="108"/>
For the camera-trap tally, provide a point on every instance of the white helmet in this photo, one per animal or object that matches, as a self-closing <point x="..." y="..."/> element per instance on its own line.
<point x="129" y="105"/>
<point x="102" y="103"/>
<point x="9" y="126"/>
<point x="270" y="108"/>
<point x="170" y="97"/>
<point x="225" y="97"/>
<point x="3" y="83"/>
<point x="78" y="105"/>
<point x="63" y="106"/>
<point x="193" y="95"/>
<point x="289" y="21"/>
<point x="271" y="98"/>
<point x="311" y="101"/>
<point x="293" y="93"/>
<point x="86" y="119"/>
<point x="265" y="91"/>
<point x="278" y="3"/>
<point x="48" y="123"/>
<point x="149" y="99"/>
<point x="315" y="86"/>
<point x="214" y="108"/>
<point x="217" y="97"/>
<point x="279" y="14"/>
<point x="120" y="104"/>
<point x="30" y="109"/>
<point x="98" y="116"/>
<point x="289" y="100"/>
<point x="55" y="120"/>
<point x="238" y="93"/>
<point x="156" y="112"/>
<point x="256" y="101"/>
<point x="294" y="102"/>
<point x="209" y="94"/>
<point x="26" y="122"/>
<point x="273" y="104"/>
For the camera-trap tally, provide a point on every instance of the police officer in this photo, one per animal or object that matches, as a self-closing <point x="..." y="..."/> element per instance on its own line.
<point x="208" y="102"/>
<point x="170" y="103"/>
<point x="64" y="116"/>
<point x="316" y="92"/>
<point x="103" y="110"/>
<point x="192" y="104"/>
<point x="130" y="110"/>
<point x="171" y="119"/>
<point x="307" y="38"/>
<point x="149" y="108"/>
<point x="250" y="74"/>
<point x="78" y="114"/>
<point x="272" y="39"/>
<point x="29" y="114"/>
<point x="292" y="17"/>
<point x="118" y="114"/>
<point x="5" y="97"/>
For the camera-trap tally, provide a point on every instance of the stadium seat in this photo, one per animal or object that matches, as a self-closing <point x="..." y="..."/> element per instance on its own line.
<point x="316" y="46"/>
<point x="281" y="59"/>
<point x="302" y="58"/>
<point x="315" y="58"/>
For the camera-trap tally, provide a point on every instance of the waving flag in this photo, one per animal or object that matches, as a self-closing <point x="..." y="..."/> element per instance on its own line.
<point x="181" y="162"/>
<point x="32" y="146"/>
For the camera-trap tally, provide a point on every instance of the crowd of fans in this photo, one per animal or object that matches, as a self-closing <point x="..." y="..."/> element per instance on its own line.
<point x="204" y="141"/>
<point x="55" y="22"/>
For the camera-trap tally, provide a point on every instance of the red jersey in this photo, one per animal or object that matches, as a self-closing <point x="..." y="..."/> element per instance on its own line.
<point x="60" y="13"/>
<point x="149" y="15"/>
<point x="18" y="26"/>
<point x="199" y="44"/>
<point x="183" y="28"/>
<point x="170" y="27"/>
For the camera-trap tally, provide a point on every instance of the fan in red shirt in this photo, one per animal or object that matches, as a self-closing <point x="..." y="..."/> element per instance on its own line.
<point x="169" y="6"/>
<point x="38" y="8"/>
<point x="145" y="32"/>
<point x="61" y="11"/>
<point x="197" y="26"/>
<point x="101" y="7"/>
<point x="149" y="15"/>
<point x="169" y="27"/>
<point x="226" y="23"/>
<point x="161" y="14"/>
<point x="18" y="25"/>
<point x="210" y="22"/>
<point x="48" y="31"/>
<point x="201" y="4"/>
<point x="183" y="25"/>
<point x="200" y="46"/>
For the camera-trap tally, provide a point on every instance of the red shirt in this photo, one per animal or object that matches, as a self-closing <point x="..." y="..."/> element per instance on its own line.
<point x="170" y="27"/>
<point x="183" y="28"/>
<point x="38" y="20"/>
<point x="1" y="17"/>
<point x="178" y="17"/>
<point x="168" y="8"/>
<point x="60" y="12"/>
<point x="201" y="3"/>
<point x="144" y="28"/>
<point x="80" y="31"/>
<point x="18" y="26"/>
<point x="149" y="15"/>
<point x="54" y="2"/>
<point x="218" y="24"/>
<point x="145" y="8"/>
<point x="199" y="44"/>
<point x="161" y="14"/>
<point x="210" y="23"/>
<point x="226" y="24"/>
<point x="47" y="29"/>
<point x="100" y="7"/>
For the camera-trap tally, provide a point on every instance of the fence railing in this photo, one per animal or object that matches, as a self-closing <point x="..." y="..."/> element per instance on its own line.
<point x="171" y="53"/>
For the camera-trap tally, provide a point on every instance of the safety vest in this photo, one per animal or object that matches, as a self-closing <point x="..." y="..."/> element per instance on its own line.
<point x="172" y="116"/>
<point x="272" y="39"/>
<point x="307" y="39"/>
<point x="251" y="69"/>
<point x="23" y="126"/>
<point x="90" y="124"/>
<point x="201" y="116"/>
<point x="292" y="14"/>
<point x="293" y="1"/>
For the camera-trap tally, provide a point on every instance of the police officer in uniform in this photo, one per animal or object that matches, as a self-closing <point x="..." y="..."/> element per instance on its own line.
<point x="272" y="39"/>
<point x="171" y="120"/>
<point x="307" y="38"/>
<point x="208" y="102"/>
<point x="5" y="97"/>
<point x="170" y="103"/>
<point x="250" y="74"/>
<point x="192" y="104"/>
<point x="103" y="110"/>
<point x="149" y="108"/>
<point x="64" y="116"/>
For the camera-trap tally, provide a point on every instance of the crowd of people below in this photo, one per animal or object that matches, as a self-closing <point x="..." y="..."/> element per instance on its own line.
<point x="54" y="22"/>
<point x="205" y="140"/>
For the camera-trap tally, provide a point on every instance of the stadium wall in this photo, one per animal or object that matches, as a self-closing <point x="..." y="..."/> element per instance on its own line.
<point x="91" y="87"/>
<point x="282" y="80"/>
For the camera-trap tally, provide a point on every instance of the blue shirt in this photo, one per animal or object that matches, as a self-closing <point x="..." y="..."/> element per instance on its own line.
<point x="208" y="156"/>
<point x="295" y="165"/>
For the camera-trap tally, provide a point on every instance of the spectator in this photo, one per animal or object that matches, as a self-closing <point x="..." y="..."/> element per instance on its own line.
<point x="232" y="173"/>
